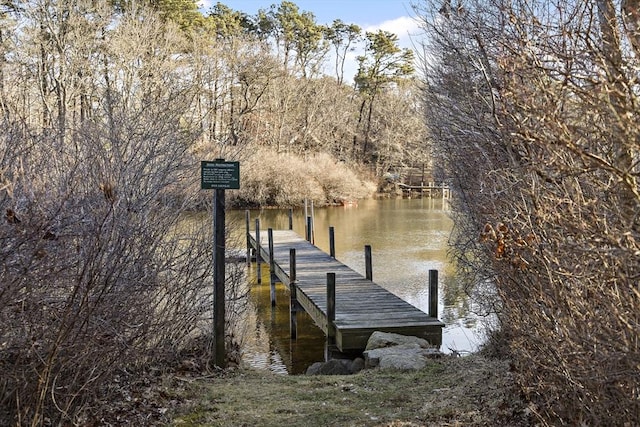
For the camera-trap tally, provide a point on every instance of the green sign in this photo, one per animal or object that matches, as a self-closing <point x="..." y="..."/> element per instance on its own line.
<point x="219" y="175"/>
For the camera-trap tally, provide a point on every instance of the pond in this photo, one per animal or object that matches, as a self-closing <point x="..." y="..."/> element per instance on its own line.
<point x="408" y="238"/>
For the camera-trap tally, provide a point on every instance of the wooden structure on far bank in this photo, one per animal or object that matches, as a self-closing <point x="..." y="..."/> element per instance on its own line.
<point x="429" y="189"/>
<point x="417" y="181"/>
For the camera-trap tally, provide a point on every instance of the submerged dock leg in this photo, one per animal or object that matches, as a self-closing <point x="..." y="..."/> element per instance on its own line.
<point x="258" y="256"/>
<point x="293" y="297"/>
<point x="272" y="269"/>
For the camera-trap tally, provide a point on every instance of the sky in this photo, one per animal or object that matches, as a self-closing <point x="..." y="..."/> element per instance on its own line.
<point x="395" y="16"/>
<point x="366" y="13"/>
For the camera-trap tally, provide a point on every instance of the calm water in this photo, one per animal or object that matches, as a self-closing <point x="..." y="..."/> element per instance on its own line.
<point x="408" y="238"/>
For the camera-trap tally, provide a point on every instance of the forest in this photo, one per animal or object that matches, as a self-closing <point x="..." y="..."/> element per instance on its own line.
<point x="218" y="84"/>
<point x="528" y="108"/>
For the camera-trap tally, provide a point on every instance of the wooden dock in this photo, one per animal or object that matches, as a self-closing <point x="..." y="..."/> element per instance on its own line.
<point x="358" y="305"/>
<point x="430" y="189"/>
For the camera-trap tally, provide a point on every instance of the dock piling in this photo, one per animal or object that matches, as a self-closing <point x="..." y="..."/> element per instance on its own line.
<point x="332" y="243"/>
<point x="367" y="263"/>
<point x="306" y="222"/>
<point x="309" y="225"/>
<point x="313" y="225"/>
<point x="290" y="219"/>
<point x="433" y="293"/>
<point x="331" y="309"/>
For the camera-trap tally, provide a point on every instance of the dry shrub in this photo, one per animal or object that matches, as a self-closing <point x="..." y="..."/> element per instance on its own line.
<point x="542" y="142"/>
<point x="98" y="273"/>
<point x="339" y="183"/>
<point x="271" y="179"/>
<point x="283" y="179"/>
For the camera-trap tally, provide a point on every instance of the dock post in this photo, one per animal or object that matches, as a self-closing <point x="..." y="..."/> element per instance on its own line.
<point x="309" y="225"/>
<point x="272" y="268"/>
<point x="433" y="293"/>
<point x="258" y="256"/>
<point x="306" y="223"/>
<point x="290" y="218"/>
<point x="313" y="225"/>
<point x="367" y="263"/>
<point x="331" y="309"/>
<point x="247" y="222"/>
<point x="332" y="243"/>
<point x="293" y="295"/>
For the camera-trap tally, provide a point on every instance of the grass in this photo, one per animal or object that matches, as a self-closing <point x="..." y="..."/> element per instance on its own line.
<point x="469" y="391"/>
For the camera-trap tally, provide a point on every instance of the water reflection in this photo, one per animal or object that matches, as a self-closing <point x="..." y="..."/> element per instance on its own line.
<point x="267" y="344"/>
<point x="408" y="238"/>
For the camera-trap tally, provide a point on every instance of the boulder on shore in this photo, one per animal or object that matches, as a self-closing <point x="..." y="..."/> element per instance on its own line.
<point x="393" y="351"/>
<point x="386" y="339"/>
<point x="384" y="351"/>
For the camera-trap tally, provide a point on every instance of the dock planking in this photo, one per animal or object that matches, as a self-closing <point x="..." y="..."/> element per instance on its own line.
<point x="361" y="305"/>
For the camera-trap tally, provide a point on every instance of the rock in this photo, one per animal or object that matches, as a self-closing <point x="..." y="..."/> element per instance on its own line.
<point x="336" y="367"/>
<point x="332" y="367"/>
<point x="386" y="339"/>
<point x="357" y="365"/>
<point x="384" y="351"/>
<point x="393" y="351"/>
<point x="314" y="369"/>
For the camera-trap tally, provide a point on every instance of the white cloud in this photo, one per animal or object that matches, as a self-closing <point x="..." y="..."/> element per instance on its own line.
<point x="405" y="27"/>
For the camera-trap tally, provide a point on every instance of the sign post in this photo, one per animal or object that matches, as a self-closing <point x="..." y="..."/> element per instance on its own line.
<point x="219" y="176"/>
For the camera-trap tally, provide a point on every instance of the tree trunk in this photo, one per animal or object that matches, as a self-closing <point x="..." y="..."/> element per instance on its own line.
<point x="367" y="131"/>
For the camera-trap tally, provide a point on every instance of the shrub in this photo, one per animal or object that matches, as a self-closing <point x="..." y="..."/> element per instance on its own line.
<point x="96" y="276"/>
<point x="542" y="142"/>
<point x="282" y="179"/>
